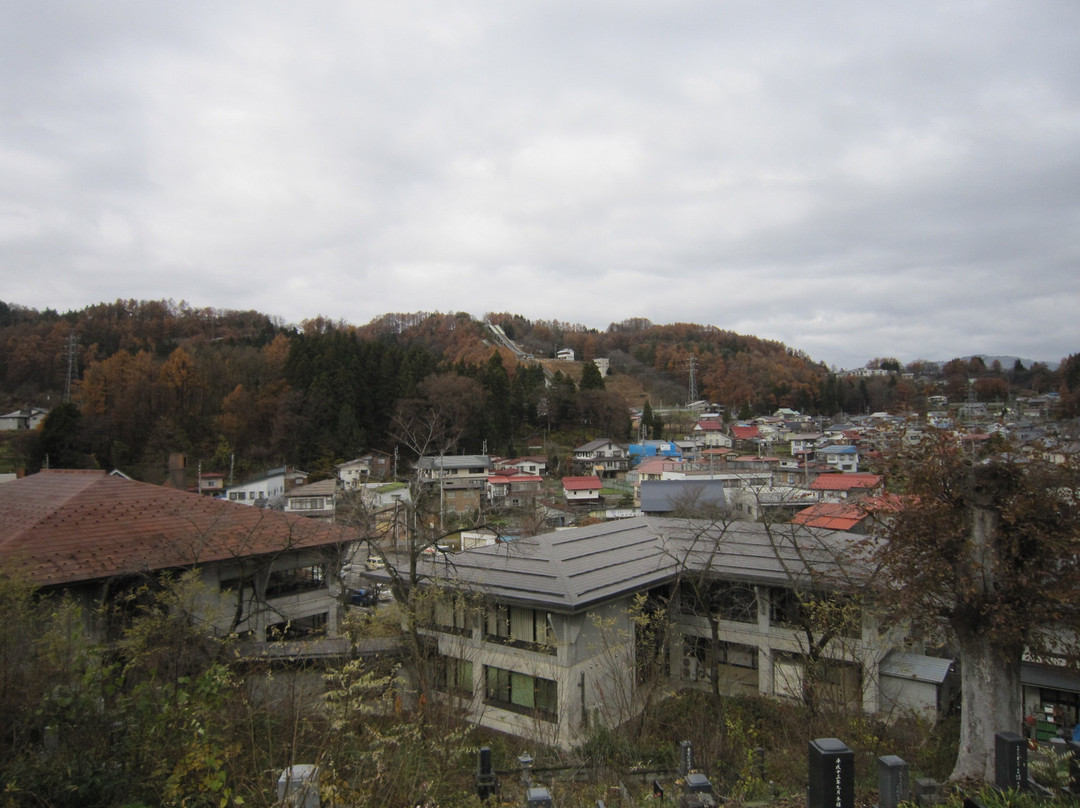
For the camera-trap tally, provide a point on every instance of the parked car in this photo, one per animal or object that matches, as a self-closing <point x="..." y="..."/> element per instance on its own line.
<point x="364" y="597"/>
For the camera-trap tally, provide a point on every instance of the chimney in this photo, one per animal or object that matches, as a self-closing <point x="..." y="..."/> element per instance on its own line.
<point x="177" y="471"/>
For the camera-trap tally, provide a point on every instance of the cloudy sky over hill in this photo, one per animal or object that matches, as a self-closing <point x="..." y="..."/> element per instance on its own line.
<point x="855" y="179"/>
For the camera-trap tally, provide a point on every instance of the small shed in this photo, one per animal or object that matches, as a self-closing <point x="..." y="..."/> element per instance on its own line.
<point x="914" y="681"/>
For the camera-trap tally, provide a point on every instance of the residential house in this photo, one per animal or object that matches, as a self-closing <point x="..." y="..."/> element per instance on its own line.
<point x="370" y="466"/>
<point x="565" y="354"/>
<point x="803" y="442"/>
<point x="536" y="638"/>
<point x="462" y="480"/>
<point x="97" y="536"/>
<point x="463" y="497"/>
<point x="512" y="490"/>
<point x="211" y="483"/>
<point x="24" y="419"/>
<point x="578" y="490"/>
<point x="682" y="497"/>
<point x="534" y="465"/>
<point x="603" y="457"/>
<point x="314" y="500"/>
<point x="454" y="468"/>
<point x="266" y="491"/>
<point x="744" y="434"/>
<point x="842" y="458"/>
<point x="711" y="434"/>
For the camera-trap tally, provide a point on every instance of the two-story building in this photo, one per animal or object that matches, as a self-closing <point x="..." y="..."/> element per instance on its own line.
<point x="602" y="457"/>
<point x="512" y="490"/>
<point x="96" y="536"/>
<point x="839" y="457"/>
<point x="542" y="637"/>
<point x="314" y="500"/>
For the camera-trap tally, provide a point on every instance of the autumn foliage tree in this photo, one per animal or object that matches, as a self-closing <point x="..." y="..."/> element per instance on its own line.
<point x="989" y="548"/>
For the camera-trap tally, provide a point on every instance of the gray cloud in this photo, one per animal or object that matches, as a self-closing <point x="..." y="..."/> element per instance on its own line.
<point x="854" y="179"/>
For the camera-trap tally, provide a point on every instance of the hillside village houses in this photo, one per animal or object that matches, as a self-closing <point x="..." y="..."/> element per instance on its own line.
<point x="544" y="646"/>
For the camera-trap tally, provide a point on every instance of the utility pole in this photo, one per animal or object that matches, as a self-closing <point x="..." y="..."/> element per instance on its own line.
<point x="72" y="364"/>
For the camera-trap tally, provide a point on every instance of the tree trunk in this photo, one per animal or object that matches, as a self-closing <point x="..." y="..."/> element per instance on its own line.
<point x="990" y="687"/>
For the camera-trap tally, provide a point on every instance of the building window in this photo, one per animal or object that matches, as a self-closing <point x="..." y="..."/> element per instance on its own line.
<point x="452" y="615"/>
<point x="455" y="676"/>
<point x="520" y="627"/>
<point x="720" y="600"/>
<point x="307" y="503"/>
<point x="295" y="580"/>
<point x="521" y="693"/>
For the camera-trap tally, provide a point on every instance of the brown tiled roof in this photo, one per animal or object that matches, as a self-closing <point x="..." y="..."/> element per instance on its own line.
<point x="60" y="527"/>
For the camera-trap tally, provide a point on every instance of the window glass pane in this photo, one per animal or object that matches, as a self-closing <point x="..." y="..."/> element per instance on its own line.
<point x="521" y="624"/>
<point x="521" y="690"/>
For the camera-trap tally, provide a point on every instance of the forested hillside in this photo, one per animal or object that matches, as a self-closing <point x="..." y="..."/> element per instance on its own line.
<point x="153" y="377"/>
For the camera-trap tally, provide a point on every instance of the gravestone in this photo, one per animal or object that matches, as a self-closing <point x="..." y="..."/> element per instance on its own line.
<point x="486" y="782"/>
<point x="832" y="775"/>
<point x="894" y="784"/>
<point x="1010" y="761"/>
<point x="686" y="758"/>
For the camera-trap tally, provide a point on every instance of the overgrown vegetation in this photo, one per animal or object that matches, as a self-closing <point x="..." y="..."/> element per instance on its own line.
<point x="168" y="715"/>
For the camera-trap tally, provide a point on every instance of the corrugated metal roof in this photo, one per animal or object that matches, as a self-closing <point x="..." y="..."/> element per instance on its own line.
<point x="915" y="666"/>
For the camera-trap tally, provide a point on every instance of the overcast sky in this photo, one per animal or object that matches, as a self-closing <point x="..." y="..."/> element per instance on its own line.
<point x="855" y="179"/>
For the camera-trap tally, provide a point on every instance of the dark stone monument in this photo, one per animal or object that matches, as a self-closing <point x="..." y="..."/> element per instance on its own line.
<point x="894" y="784"/>
<point x="686" y="758"/>
<point x="1010" y="761"/>
<point x="487" y="784"/>
<point x="832" y="775"/>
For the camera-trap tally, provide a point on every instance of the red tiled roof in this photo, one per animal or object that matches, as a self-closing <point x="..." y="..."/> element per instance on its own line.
<point x="831" y="516"/>
<point x="845" y="482"/>
<point x="745" y="432"/>
<point x="710" y="426"/>
<point x="581" y="483"/>
<point x="60" y="527"/>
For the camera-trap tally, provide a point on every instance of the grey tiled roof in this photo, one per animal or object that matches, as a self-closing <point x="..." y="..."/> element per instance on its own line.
<point x="573" y="569"/>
